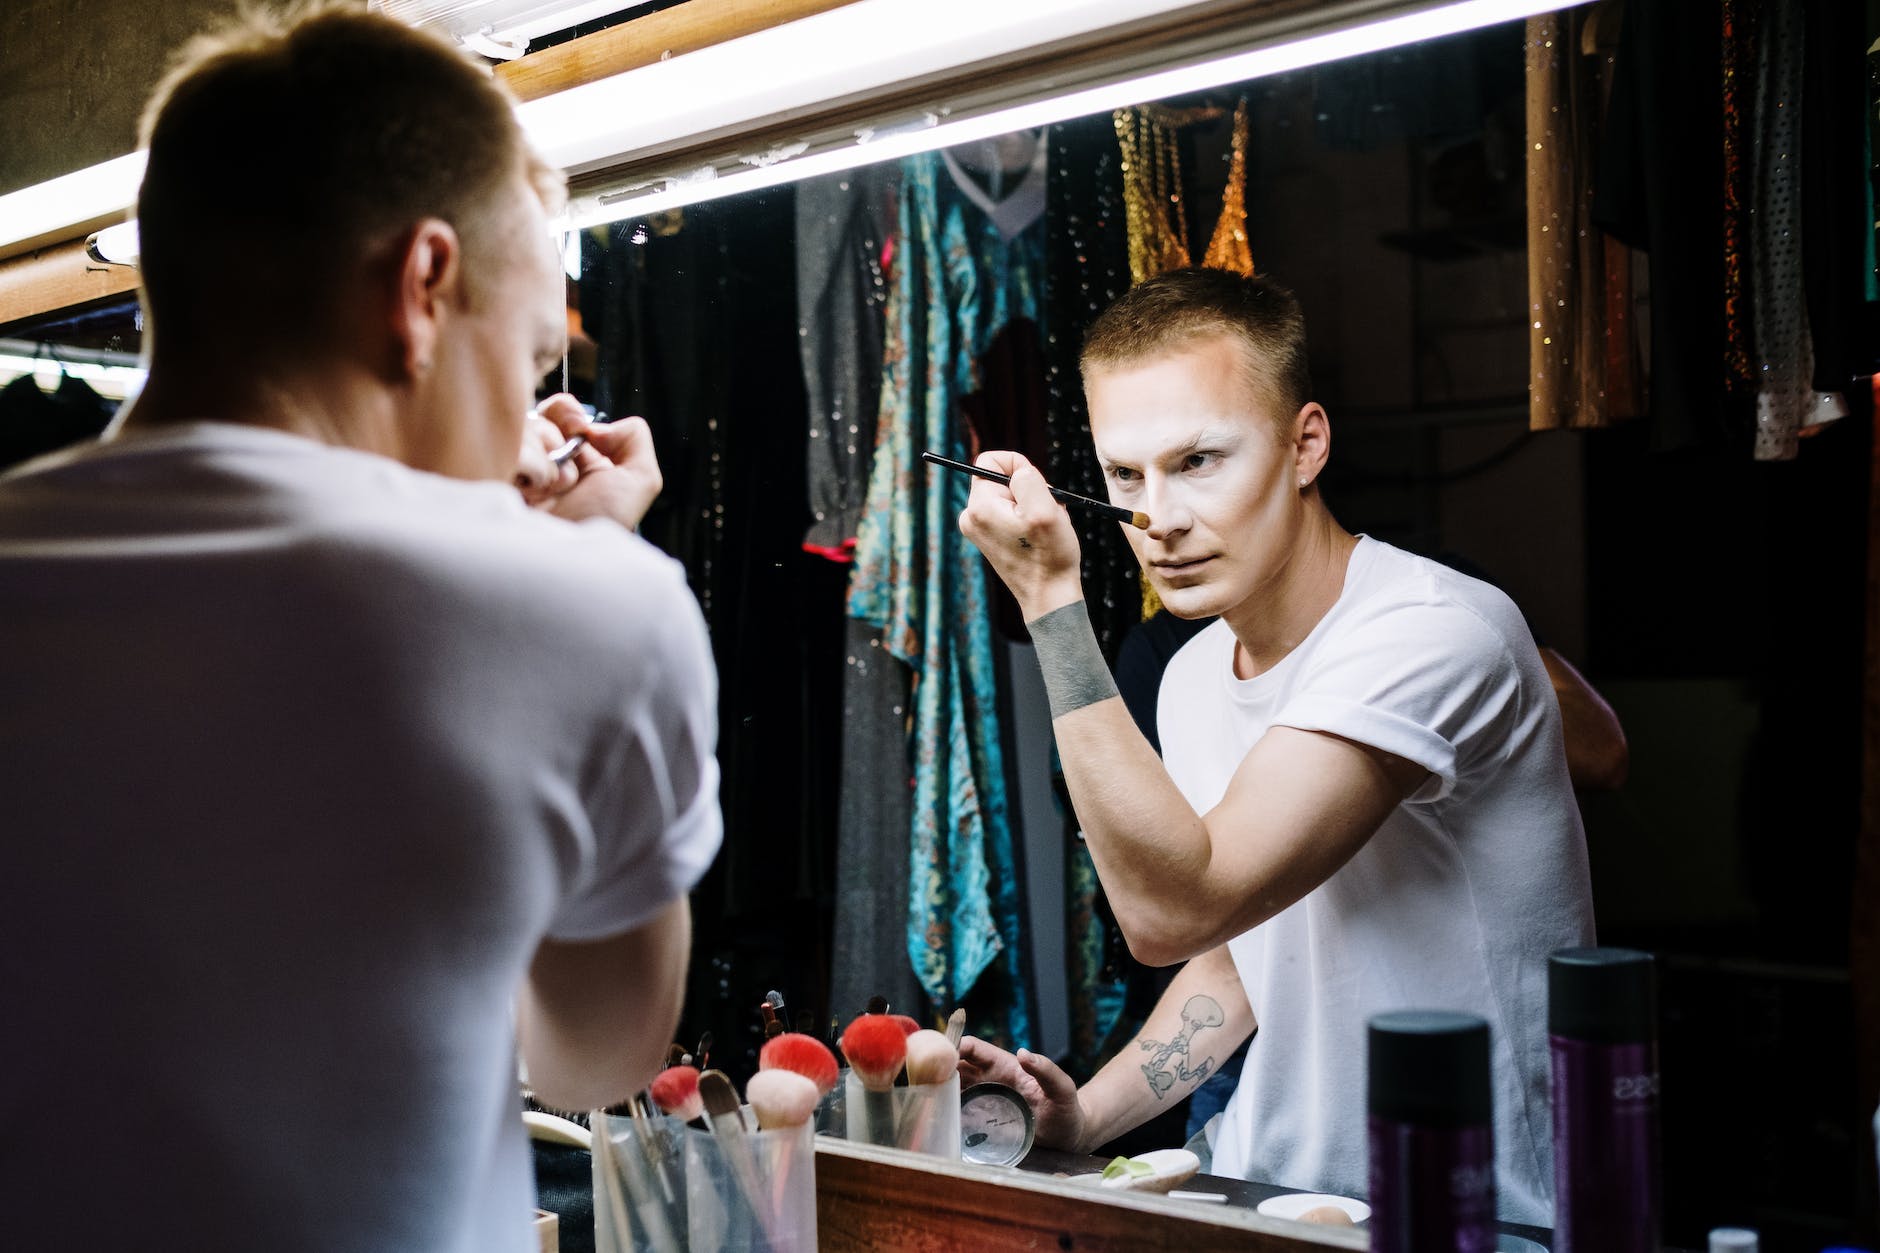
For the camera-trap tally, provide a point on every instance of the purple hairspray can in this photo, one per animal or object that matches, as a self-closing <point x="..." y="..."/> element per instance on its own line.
<point x="1432" y="1134"/>
<point x="1602" y="1029"/>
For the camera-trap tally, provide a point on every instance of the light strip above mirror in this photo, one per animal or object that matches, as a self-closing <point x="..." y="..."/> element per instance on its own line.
<point x="728" y="88"/>
<point x="869" y="81"/>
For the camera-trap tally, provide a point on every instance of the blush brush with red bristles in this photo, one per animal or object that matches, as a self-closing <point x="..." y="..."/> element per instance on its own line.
<point x="675" y="1091"/>
<point x="876" y="1048"/>
<point x="804" y="1054"/>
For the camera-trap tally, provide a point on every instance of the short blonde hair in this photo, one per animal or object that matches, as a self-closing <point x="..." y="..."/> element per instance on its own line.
<point x="283" y="143"/>
<point x="1164" y="313"/>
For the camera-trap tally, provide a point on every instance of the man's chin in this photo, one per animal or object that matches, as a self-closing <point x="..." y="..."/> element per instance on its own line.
<point x="1190" y="602"/>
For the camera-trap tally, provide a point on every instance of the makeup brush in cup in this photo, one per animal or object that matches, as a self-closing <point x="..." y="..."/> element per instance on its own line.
<point x="1138" y="520"/>
<point x="931" y="1061"/>
<point x="907" y="1025"/>
<point x="876" y="1048"/>
<point x="675" y="1091"/>
<point x="931" y="1058"/>
<point x="781" y="1098"/>
<point x="956" y="1027"/>
<point x="804" y="1054"/>
<point x="726" y="1120"/>
<point x="652" y="1217"/>
<point x="783" y="1102"/>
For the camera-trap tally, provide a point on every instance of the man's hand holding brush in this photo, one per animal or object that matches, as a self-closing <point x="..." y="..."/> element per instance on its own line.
<point x="614" y="473"/>
<point x="1025" y="534"/>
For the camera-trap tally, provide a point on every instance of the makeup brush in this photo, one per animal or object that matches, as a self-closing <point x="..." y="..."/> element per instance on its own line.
<point x="876" y="1005"/>
<point x="907" y="1025"/>
<point x="675" y="1091"/>
<point x="876" y="1048"/>
<point x="1138" y="520"/>
<point x="956" y="1027"/>
<point x="652" y="1217"/>
<point x="781" y="1098"/>
<point x="931" y="1058"/>
<point x="726" y="1119"/>
<point x="780" y="1021"/>
<point x="804" y="1054"/>
<point x="931" y="1061"/>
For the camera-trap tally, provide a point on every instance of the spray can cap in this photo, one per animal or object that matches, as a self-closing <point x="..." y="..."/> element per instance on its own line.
<point x="1605" y="995"/>
<point x="1430" y="1068"/>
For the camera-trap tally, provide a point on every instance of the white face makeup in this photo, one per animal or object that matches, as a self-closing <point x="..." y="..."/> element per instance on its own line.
<point x="1184" y="439"/>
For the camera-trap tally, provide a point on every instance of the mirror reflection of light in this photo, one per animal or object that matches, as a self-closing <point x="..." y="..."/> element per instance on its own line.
<point x="113" y="382"/>
<point x="861" y="49"/>
<point x="635" y="111"/>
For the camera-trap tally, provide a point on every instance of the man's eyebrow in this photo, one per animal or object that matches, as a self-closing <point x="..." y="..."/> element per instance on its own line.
<point x="1209" y="437"/>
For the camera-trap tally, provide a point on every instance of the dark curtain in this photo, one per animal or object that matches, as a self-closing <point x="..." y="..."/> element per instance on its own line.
<point x="695" y="315"/>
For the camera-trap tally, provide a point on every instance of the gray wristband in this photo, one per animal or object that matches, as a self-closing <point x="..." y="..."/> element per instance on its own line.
<point x="1074" y="671"/>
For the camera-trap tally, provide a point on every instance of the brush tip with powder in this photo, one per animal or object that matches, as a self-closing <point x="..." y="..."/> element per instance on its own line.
<point x="675" y="1091"/>
<point x="1139" y="520"/>
<point x="876" y="1048"/>
<point x="931" y="1058"/>
<point x="781" y="1098"/>
<point x="804" y="1054"/>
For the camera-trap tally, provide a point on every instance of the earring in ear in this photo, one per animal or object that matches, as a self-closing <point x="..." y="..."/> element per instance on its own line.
<point x="1303" y="482"/>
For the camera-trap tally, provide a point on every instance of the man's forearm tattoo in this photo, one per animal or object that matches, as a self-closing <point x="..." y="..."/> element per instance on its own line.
<point x="1198" y="1014"/>
<point x="1075" y="674"/>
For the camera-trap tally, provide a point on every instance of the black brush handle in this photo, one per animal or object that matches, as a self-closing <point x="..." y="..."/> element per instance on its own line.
<point x="1103" y="507"/>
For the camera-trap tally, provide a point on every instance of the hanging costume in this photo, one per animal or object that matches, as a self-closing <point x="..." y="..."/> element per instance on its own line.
<point x="957" y="282"/>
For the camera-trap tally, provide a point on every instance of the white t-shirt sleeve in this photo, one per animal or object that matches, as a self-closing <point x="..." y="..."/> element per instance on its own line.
<point x="1432" y="683"/>
<point x="654" y="804"/>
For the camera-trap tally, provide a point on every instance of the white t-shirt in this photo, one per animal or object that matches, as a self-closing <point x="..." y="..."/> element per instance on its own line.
<point x="303" y="753"/>
<point x="1456" y="901"/>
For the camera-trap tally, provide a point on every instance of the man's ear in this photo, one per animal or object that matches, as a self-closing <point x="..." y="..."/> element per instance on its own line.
<point x="1312" y="442"/>
<point x="429" y="280"/>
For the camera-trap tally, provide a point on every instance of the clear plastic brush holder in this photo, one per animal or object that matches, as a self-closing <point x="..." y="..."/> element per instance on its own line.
<point x="922" y="1117"/>
<point x="676" y="1189"/>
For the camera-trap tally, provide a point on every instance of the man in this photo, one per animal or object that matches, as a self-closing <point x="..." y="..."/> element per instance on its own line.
<point x="325" y="756"/>
<point x="1365" y="805"/>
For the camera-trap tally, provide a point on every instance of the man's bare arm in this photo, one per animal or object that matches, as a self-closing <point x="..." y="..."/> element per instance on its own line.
<point x="1298" y="806"/>
<point x="1201" y="1018"/>
<point x="1597" y="755"/>
<point x="1197" y="1024"/>
<point x="594" y="1019"/>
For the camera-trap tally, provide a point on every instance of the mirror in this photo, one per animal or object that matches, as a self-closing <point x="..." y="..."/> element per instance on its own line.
<point x="1713" y="602"/>
<point x="762" y="337"/>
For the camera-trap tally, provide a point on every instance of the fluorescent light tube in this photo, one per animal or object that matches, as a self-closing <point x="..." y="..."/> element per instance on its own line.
<point x="113" y="382"/>
<point x="849" y="53"/>
<point x="693" y="76"/>
<point x="58" y="208"/>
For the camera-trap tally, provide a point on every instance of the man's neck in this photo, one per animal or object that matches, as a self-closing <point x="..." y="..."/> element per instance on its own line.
<point x="1277" y="618"/>
<point x="331" y="407"/>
